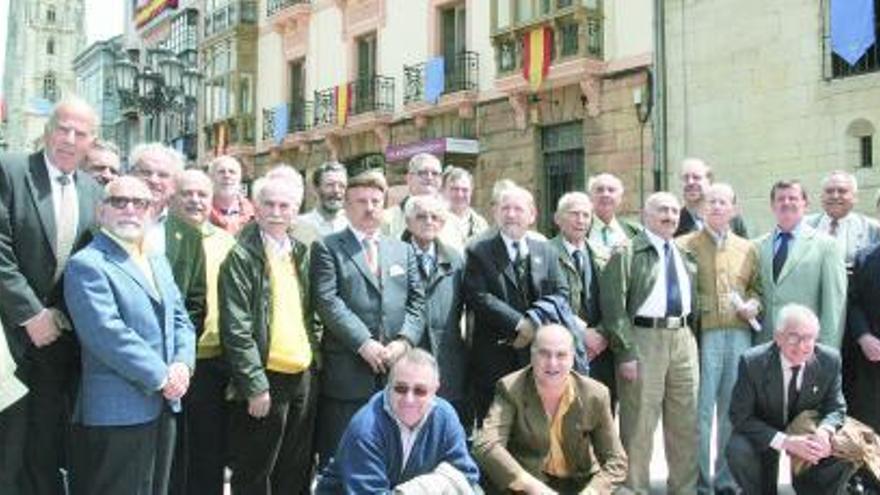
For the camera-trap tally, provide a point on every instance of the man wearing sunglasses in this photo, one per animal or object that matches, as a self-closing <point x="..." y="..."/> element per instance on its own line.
<point x="404" y="439"/>
<point x="138" y="351"/>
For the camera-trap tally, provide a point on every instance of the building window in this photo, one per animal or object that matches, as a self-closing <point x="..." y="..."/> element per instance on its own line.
<point x="50" y="87"/>
<point x="562" y="151"/>
<point x="866" y="151"/>
<point x="870" y="61"/>
<point x="183" y="33"/>
<point x="50" y="47"/>
<point x="362" y="163"/>
<point x="50" y="15"/>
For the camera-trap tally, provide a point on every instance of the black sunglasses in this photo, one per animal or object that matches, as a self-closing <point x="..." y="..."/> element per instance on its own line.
<point x="121" y="202"/>
<point x="417" y="390"/>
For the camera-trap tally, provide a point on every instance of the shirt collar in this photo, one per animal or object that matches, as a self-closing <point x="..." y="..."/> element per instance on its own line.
<point x="718" y="238"/>
<point x="658" y="241"/>
<point x="54" y="172"/>
<point x="431" y="251"/>
<point x="571" y="248"/>
<point x="276" y="247"/>
<point x="360" y="236"/>
<point x="523" y="245"/>
<point x="611" y="225"/>
<point x="795" y="232"/>
<point x="133" y="249"/>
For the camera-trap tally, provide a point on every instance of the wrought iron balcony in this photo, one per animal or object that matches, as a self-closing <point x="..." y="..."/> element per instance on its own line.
<point x="300" y="118"/>
<point x="577" y="32"/>
<point x="274" y="6"/>
<point x="230" y="15"/>
<point x="462" y="73"/>
<point x="369" y="94"/>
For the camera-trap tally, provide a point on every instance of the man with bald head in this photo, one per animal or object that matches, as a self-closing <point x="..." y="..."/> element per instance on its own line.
<point x="48" y="209"/>
<point x="696" y="176"/>
<point x="648" y="298"/>
<point x="205" y="407"/>
<point x="728" y="288"/>
<point x="138" y="350"/>
<point x="504" y="274"/>
<point x="230" y="210"/>
<point x="269" y="343"/>
<point x="607" y="229"/>
<point x="159" y="166"/>
<point x="576" y="451"/>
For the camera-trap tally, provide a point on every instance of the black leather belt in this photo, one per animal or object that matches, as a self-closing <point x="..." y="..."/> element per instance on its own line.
<point x="669" y="322"/>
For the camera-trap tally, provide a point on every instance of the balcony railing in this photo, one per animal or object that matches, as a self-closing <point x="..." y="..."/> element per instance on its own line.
<point x="300" y="117"/>
<point x="369" y="94"/>
<point x="273" y="6"/>
<point x="577" y="32"/>
<point x="462" y="73"/>
<point x="229" y="16"/>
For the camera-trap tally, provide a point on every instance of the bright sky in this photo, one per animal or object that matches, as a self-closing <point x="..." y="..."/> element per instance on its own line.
<point x="104" y="19"/>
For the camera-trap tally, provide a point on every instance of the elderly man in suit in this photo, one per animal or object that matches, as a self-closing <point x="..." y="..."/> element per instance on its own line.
<point x="696" y="177"/>
<point x="581" y="264"/>
<point x="504" y="274"/>
<point x="138" y="350"/>
<point x="268" y="340"/>
<point x="549" y="429"/>
<point x="776" y="381"/>
<point x="727" y="269"/>
<point x="442" y="272"/>
<point x="49" y="209"/>
<point x="800" y="265"/>
<point x="370" y="298"/>
<point x="852" y="231"/>
<point x="607" y="230"/>
<point x="648" y="296"/>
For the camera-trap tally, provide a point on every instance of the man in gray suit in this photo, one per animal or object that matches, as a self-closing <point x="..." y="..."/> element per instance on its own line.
<point x="852" y="231"/>
<point x="48" y="207"/>
<point x="800" y="265"/>
<point x="369" y="296"/>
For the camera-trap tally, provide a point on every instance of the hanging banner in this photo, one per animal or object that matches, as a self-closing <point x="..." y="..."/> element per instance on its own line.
<point x="146" y="10"/>
<point x="852" y="28"/>
<point x="343" y="103"/>
<point x="435" y="79"/>
<point x="537" y="46"/>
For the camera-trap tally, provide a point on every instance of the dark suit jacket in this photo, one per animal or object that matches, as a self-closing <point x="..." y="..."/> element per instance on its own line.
<point x="27" y="241"/>
<point x="183" y="248"/>
<point x="491" y="291"/>
<point x="687" y="224"/>
<point x="863" y="315"/>
<point x="756" y="406"/>
<point x="516" y="434"/>
<point x="577" y="291"/>
<point x="444" y="301"/>
<point x="354" y="306"/>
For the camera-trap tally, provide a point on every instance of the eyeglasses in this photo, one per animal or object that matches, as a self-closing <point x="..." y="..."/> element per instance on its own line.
<point x="428" y="173"/>
<point x="424" y="217"/>
<point x="796" y="339"/>
<point x="404" y="389"/>
<point x="121" y="202"/>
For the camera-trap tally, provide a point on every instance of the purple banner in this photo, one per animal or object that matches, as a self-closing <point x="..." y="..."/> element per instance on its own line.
<point x="405" y="151"/>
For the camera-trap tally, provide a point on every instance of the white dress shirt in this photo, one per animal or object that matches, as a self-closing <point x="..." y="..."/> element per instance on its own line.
<point x="655" y="305"/>
<point x="54" y="174"/>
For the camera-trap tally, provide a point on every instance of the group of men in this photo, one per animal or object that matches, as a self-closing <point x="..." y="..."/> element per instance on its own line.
<point x="167" y="327"/>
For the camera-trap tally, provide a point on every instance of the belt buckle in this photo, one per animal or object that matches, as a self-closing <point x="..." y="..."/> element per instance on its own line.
<point x="673" y="322"/>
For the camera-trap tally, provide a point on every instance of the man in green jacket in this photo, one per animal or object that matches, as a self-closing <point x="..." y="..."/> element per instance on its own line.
<point x="647" y="295"/>
<point x="268" y="341"/>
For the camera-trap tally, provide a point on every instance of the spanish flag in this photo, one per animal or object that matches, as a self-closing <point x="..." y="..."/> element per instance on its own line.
<point x="537" y="46"/>
<point x="343" y="103"/>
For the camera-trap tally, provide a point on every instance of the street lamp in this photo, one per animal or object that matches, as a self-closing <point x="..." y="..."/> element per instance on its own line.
<point x="165" y="84"/>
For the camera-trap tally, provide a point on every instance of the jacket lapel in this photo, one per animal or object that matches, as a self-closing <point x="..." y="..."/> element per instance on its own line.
<point x="502" y="260"/>
<point x="350" y="245"/>
<point x="86" y="202"/>
<point x="797" y="251"/>
<point x="766" y="255"/>
<point x="537" y="266"/>
<point x="808" y="383"/>
<point x="41" y="194"/>
<point x="773" y="386"/>
<point x="117" y="255"/>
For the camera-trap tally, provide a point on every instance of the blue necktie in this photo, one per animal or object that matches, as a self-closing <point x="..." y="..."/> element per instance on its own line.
<point x="673" y="290"/>
<point x="781" y="254"/>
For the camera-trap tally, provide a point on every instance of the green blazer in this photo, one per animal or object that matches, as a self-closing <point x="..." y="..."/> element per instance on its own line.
<point x="575" y="281"/>
<point x="626" y="283"/>
<point x="515" y="436"/>
<point x="183" y="248"/>
<point x="814" y="275"/>
<point x="27" y="240"/>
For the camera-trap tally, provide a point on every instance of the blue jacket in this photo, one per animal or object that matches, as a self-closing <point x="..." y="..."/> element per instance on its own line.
<point x="368" y="459"/>
<point x="129" y="334"/>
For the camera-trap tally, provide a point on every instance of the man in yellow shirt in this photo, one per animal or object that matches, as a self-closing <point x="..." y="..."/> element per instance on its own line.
<point x="205" y="407"/>
<point x="268" y="341"/>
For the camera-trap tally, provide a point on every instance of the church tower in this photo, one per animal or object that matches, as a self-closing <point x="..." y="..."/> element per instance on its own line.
<point x="42" y="39"/>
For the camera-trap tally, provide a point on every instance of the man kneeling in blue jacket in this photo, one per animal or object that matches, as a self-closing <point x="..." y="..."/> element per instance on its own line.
<point x="404" y="439"/>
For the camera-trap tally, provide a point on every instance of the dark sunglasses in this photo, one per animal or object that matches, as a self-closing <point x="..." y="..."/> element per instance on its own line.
<point x="417" y="390"/>
<point x="121" y="202"/>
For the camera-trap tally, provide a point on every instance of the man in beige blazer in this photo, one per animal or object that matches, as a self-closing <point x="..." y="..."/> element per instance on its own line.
<point x="549" y="429"/>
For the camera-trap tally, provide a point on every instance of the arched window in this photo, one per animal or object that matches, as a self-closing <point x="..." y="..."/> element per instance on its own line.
<point x="50" y="47"/>
<point x="50" y="87"/>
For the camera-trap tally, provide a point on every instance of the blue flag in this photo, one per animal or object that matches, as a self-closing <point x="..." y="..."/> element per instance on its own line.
<point x="852" y="28"/>
<point x="434" y="79"/>
<point x="281" y="118"/>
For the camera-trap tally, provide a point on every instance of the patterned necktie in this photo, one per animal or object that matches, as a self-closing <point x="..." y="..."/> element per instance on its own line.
<point x="781" y="254"/>
<point x="606" y="238"/>
<point x="371" y="253"/>
<point x="792" y="395"/>
<point x="426" y="261"/>
<point x="519" y="265"/>
<point x="833" y="227"/>
<point x="673" y="290"/>
<point x="65" y="224"/>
